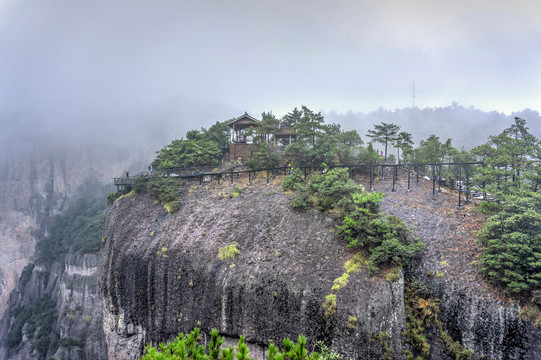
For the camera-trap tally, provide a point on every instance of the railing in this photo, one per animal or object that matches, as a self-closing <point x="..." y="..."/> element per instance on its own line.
<point x="208" y="173"/>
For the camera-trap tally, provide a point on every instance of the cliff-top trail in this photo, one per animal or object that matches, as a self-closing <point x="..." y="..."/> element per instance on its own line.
<point x="449" y="234"/>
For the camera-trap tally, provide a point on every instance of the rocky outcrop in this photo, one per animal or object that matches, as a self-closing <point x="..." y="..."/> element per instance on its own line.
<point x="77" y="329"/>
<point x="160" y="274"/>
<point x="473" y="313"/>
<point x="39" y="180"/>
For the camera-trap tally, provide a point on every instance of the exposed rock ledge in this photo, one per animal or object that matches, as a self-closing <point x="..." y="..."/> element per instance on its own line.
<point x="276" y="286"/>
<point x="274" y="289"/>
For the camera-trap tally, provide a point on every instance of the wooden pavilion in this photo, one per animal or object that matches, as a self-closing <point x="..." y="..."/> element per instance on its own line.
<point x="241" y="136"/>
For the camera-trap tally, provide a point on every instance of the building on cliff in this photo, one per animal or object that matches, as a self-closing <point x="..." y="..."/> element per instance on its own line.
<point x="242" y="136"/>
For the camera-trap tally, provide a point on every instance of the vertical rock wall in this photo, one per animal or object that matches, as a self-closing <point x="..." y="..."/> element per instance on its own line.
<point x="73" y="286"/>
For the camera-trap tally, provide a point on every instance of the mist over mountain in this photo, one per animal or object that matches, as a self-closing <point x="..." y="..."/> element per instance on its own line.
<point x="468" y="127"/>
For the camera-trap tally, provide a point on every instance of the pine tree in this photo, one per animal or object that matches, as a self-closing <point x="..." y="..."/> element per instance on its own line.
<point x="383" y="134"/>
<point x="402" y="141"/>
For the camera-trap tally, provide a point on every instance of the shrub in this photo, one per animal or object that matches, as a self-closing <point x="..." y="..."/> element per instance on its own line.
<point x="355" y="264"/>
<point x="329" y="306"/>
<point x="172" y="206"/>
<point x="140" y="184"/>
<point x="290" y="181"/>
<point x="112" y="197"/>
<point x="488" y="207"/>
<point x="228" y="252"/>
<point x="392" y="275"/>
<point x="340" y="282"/>
<point x="164" y="189"/>
<point x="352" y="322"/>
<point x="511" y="242"/>
<point x="386" y="238"/>
<point x="302" y="197"/>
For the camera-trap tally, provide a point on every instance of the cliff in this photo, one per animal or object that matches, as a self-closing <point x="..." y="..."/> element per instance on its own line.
<point x="39" y="179"/>
<point x="160" y="274"/>
<point x="63" y="306"/>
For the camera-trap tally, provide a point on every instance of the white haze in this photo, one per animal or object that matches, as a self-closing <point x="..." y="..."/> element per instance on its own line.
<point x="145" y="72"/>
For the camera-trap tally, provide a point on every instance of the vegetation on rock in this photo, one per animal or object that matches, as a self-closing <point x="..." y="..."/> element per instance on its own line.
<point x="511" y="242"/>
<point x="189" y="346"/>
<point x="39" y="318"/>
<point x="165" y="189"/>
<point x="78" y="229"/>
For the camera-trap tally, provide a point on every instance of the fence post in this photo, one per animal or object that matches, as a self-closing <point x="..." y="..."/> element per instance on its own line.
<point x="459" y="206"/>
<point x="268" y="181"/>
<point x="409" y="177"/>
<point x="394" y="178"/>
<point x="249" y="178"/>
<point x="200" y="179"/>
<point x="371" y="176"/>
<point x="231" y="179"/>
<point x="433" y="182"/>
<point x="439" y="178"/>
<point x="467" y="172"/>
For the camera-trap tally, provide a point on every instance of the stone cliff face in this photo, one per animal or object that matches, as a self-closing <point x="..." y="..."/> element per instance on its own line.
<point x="160" y="275"/>
<point x="78" y="325"/>
<point x="39" y="180"/>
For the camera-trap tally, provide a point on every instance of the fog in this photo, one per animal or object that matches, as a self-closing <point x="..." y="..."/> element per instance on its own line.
<point x="144" y="72"/>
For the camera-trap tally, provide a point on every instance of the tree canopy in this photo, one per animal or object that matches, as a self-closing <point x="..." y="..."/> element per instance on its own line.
<point x="383" y="133"/>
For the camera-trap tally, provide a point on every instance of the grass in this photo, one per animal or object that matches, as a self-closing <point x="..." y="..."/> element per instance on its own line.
<point x="355" y="264"/>
<point x="228" y="252"/>
<point x="392" y="275"/>
<point x="340" y="282"/>
<point x="329" y="306"/>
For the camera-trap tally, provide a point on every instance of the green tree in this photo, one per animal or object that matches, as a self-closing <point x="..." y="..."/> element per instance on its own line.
<point x="309" y="126"/>
<point x="509" y="158"/>
<point x="292" y="118"/>
<point x="218" y="133"/>
<point x="511" y="242"/>
<point x="383" y="134"/>
<point x="369" y="155"/>
<point x="402" y="141"/>
<point x="432" y="150"/>
<point x="268" y="127"/>
<point x="186" y="153"/>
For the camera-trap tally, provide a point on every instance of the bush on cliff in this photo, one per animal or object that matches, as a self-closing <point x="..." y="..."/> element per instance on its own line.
<point x="331" y="190"/>
<point x="164" y="189"/>
<point x="511" y="242"/>
<point x="385" y="238"/>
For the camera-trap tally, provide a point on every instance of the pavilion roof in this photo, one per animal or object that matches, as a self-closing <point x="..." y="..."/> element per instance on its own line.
<point x="244" y="120"/>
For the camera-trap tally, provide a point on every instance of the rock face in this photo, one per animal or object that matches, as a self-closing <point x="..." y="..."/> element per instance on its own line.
<point x="73" y="288"/>
<point x="160" y="275"/>
<point x="39" y="180"/>
<point x="472" y="312"/>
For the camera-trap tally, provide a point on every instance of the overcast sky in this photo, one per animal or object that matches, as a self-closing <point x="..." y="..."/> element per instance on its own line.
<point x="109" y="62"/>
